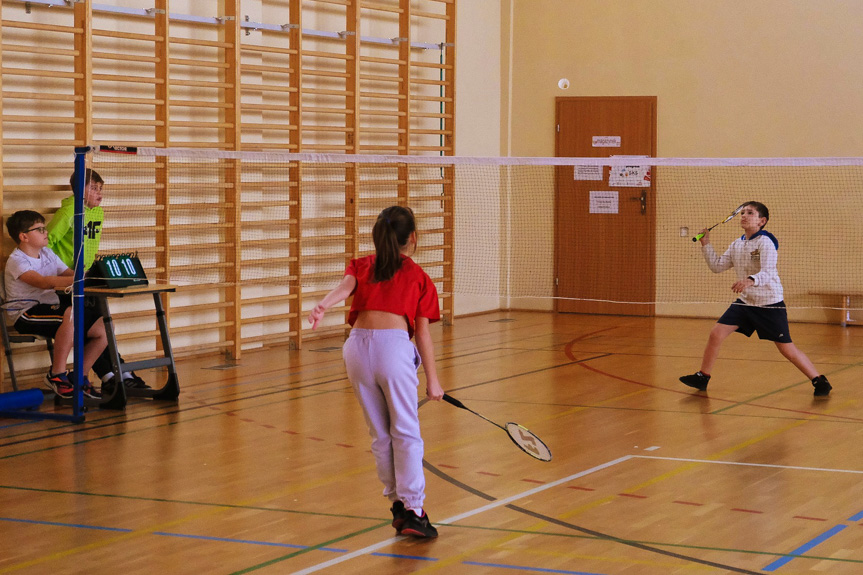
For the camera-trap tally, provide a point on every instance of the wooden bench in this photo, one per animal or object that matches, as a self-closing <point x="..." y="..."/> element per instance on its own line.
<point x="845" y="305"/>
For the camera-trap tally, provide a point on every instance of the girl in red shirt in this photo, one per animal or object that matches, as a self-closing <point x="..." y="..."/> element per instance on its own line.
<point x="394" y="299"/>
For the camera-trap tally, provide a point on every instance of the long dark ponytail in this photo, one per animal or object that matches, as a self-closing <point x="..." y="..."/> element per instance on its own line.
<point x="390" y="233"/>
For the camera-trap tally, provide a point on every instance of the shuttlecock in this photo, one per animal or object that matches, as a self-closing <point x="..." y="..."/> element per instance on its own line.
<point x="563" y="83"/>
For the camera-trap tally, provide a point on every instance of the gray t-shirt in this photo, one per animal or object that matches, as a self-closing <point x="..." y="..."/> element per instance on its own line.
<point x="47" y="264"/>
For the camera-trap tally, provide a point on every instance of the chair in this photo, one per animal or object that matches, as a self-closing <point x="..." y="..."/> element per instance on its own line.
<point x="11" y="335"/>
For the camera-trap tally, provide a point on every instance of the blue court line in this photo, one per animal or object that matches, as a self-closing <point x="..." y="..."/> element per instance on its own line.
<point x="520" y="568"/>
<point x="804" y="548"/>
<point x="16" y="424"/>
<point x="246" y="541"/>
<point x="398" y="556"/>
<point x="58" y="524"/>
<point x="809" y="545"/>
<point x="166" y="534"/>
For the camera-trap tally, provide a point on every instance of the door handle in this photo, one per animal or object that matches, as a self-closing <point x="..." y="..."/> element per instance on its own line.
<point x="643" y="200"/>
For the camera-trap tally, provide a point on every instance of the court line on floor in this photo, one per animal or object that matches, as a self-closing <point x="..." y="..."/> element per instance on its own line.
<point x="734" y="403"/>
<point x="802" y="549"/>
<point x="747" y="464"/>
<point x="498" y="503"/>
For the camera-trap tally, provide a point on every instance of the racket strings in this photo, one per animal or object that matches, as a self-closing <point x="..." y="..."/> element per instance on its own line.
<point x="528" y="442"/>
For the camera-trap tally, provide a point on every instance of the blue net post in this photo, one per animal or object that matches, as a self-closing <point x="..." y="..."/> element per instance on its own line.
<point x="78" y="284"/>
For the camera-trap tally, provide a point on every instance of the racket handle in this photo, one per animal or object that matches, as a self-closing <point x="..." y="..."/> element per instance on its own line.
<point x="453" y="401"/>
<point x="698" y="237"/>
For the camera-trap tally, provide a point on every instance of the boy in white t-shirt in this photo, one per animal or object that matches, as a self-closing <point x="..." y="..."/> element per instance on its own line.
<point x="33" y="273"/>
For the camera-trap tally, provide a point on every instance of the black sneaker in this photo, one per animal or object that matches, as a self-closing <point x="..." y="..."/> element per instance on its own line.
<point x="822" y="386"/>
<point x="399" y="515"/>
<point x="697" y="380"/>
<point x="89" y="390"/>
<point x="134" y="381"/>
<point x="87" y="387"/>
<point x="418" y="526"/>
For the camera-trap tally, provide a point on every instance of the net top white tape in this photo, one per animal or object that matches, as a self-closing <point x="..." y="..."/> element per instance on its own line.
<point x="501" y="161"/>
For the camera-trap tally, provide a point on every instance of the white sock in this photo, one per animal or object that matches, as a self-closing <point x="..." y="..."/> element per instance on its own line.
<point x="108" y="377"/>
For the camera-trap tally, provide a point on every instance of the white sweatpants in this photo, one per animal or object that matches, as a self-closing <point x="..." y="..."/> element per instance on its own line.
<point x="382" y="366"/>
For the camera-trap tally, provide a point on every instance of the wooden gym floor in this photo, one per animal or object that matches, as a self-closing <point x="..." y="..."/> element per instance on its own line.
<point x="264" y="467"/>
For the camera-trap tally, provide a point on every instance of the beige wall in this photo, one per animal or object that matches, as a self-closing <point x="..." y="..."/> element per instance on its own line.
<point x="733" y="78"/>
<point x="479" y="132"/>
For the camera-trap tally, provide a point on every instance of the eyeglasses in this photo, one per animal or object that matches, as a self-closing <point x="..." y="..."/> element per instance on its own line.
<point x="40" y="229"/>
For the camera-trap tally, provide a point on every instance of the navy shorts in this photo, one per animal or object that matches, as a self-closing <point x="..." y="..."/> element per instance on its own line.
<point x="769" y="322"/>
<point x="44" y="319"/>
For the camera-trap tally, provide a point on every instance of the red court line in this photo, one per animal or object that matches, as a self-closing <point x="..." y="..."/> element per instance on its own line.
<point x="714" y="398"/>
<point x="747" y="510"/>
<point x="568" y="348"/>
<point x="809" y="518"/>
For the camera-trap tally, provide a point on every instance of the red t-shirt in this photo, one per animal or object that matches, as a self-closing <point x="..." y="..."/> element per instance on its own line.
<point x="410" y="293"/>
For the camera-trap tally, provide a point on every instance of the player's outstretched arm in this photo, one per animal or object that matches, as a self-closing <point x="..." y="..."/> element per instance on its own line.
<point x="343" y="290"/>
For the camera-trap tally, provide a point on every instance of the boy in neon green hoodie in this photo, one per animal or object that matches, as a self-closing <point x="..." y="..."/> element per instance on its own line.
<point x="61" y="235"/>
<point x="60" y="231"/>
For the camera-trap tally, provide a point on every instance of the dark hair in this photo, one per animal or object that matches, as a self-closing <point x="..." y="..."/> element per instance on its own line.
<point x="390" y="233"/>
<point x="89" y="176"/>
<point x="19" y="222"/>
<point x="761" y="209"/>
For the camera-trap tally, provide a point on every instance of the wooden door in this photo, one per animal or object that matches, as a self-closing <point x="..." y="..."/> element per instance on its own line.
<point x="602" y="259"/>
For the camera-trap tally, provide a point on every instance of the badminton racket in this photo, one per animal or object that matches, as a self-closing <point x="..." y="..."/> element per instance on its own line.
<point x="729" y="218"/>
<point x="520" y="435"/>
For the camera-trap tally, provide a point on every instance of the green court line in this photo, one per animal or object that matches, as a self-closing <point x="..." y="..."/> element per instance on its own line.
<point x="150" y="428"/>
<point x="186" y="502"/>
<point x="827" y="418"/>
<point x="312" y="548"/>
<point x="450" y="525"/>
<point x="774" y="392"/>
<point x="652" y="543"/>
<point x="264" y="391"/>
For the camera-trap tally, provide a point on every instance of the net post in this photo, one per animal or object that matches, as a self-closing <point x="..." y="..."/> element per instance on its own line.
<point x="78" y="283"/>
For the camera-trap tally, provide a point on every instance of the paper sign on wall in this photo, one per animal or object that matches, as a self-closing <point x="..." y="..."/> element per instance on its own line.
<point x="629" y="176"/>
<point x="585" y="173"/>
<point x="603" y="202"/>
<point x="606" y="141"/>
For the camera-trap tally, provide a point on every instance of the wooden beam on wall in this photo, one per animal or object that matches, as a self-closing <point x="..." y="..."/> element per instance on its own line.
<point x="232" y="116"/>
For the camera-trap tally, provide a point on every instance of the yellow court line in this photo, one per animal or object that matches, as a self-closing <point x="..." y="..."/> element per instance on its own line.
<point x="473" y="438"/>
<point x="541" y="525"/>
<point x="164" y="526"/>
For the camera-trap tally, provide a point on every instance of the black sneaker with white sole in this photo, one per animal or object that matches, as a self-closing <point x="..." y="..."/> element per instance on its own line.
<point x="133" y="381"/>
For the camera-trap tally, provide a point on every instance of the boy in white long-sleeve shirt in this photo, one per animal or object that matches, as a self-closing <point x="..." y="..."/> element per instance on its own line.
<point x="760" y="307"/>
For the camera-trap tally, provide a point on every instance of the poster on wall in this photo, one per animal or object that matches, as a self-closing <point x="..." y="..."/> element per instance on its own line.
<point x="603" y="202"/>
<point x="587" y="173"/>
<point x="629" y="176"/>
